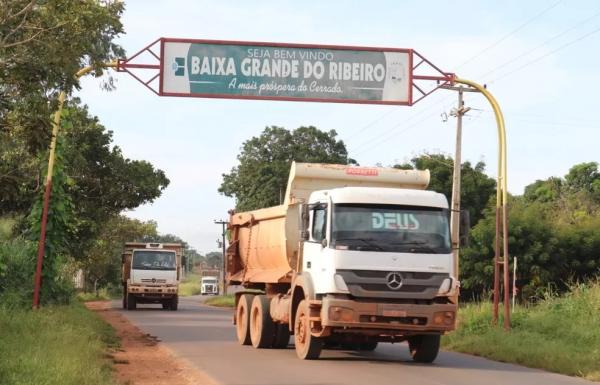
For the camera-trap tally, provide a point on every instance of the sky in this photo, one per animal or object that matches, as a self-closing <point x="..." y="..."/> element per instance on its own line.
<point x="538" y="58"/>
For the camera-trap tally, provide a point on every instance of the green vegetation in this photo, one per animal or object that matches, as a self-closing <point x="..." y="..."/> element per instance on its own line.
<point x="221" y="300"/>
<point x="56" y="345"/>
<point x="103" y="294"/>
<point x="261" y="177"/>
<point x="559" y="334"/>
<point x="554" y="232"/>
<point x="190" y="285"/>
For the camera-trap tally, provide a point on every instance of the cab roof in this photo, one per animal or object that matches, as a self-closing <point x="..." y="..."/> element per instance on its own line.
<point x="379" y="195"/>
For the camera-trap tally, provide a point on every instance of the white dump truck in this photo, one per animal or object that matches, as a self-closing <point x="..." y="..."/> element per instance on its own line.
<point x="151" y="274"/>
<point x="353" y="257"/>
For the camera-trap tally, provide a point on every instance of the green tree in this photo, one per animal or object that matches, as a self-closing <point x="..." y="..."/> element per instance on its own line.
<point x="102" y="262"/>
<point x="554" y="231"/>
<point x="260" y="179"/>
<point x="103" y="181"/>
<point x="43" y="43"/>
<point x="476" y="186"/>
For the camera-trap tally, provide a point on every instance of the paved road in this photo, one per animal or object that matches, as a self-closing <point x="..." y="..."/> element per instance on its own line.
<point x="205" y="336"/>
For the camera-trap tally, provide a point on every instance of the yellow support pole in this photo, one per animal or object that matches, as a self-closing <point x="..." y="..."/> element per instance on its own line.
<point x="501" y="203"/>
<point x="48" y="187"/>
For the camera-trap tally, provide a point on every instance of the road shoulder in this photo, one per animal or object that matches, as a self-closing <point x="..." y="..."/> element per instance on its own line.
<point x="141" y="358"/>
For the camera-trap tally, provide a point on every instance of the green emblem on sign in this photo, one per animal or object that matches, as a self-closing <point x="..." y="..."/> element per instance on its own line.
<point x="179" y="66"/>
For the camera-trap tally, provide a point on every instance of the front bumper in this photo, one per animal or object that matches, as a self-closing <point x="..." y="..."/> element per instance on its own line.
<point x="153" y="291"/>
<point x="351" y="315"/>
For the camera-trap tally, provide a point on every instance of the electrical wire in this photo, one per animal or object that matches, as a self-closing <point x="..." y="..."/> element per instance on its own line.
<point x="546" y="55"/>
<point x="532" y="50"/>
<point x="381" y="139"/>
<point x="520" y="27"/>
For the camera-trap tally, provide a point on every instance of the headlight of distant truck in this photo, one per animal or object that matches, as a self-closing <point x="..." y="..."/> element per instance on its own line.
<point x="445" y="286"/>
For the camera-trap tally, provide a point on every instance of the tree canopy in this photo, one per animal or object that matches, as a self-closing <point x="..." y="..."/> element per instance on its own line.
<point x="260" y="178"/>
<point x="42" y="45"/>
<point x="554" y="231"/>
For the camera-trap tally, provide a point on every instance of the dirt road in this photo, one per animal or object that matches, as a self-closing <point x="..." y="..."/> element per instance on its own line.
<point x="205" y="336"/>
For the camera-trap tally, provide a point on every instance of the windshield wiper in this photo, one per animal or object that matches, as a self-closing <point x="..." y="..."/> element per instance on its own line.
<point x="421" y="246"/>
<point x="366" y="241"/>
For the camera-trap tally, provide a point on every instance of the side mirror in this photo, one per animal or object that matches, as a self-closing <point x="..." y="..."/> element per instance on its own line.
<point x="464" y="227"/>
<point x="304" y="218"/>
<point x="324" y="242"/>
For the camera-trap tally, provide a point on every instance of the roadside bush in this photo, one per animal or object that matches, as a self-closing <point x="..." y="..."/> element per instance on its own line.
<point x="17" y="265"/>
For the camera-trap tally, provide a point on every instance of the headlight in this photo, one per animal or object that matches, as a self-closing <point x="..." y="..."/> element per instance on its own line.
<point x="445" y="286"/>
<point x="339" y="283"/>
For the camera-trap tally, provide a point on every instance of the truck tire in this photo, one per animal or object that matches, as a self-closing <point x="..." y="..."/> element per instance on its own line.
<point x="242" y="316"/>
<point x="166" y="305"/>
<point x="131" y="302"/>
<point x="424" y="348"/>
<point x="281" y="339"/>
<point x="262" y="327"/>
<point x="174" y="303"/>
<point x="124" y="296"/>
<point x="307" y="346"/>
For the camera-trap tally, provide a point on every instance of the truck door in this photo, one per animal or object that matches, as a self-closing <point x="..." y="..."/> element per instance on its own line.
<point x="316" y="251"/>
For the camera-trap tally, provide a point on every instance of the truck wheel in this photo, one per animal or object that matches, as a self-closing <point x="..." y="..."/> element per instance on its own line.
<point x="242" y="316"/>
<point x="424" y="348"/>
<point x="124" y="297"/>
<point x="282" y="336"/>
<point x="262" y="327"/>
<point x="174" y="303"/>
<point x="131" y="303"/>
<point x="166" y="305"/>
<point x="308" y="347"/>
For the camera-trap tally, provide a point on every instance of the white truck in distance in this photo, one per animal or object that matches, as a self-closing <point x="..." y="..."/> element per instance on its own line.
<point x="355" y="256"/>
<point x="151" y="274"/>
<point x="209" y="285"/>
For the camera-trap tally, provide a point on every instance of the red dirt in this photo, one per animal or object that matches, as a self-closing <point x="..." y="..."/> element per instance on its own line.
<point x="141" y="358"/>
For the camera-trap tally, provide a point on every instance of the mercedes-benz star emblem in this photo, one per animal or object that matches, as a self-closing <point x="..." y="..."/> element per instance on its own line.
<point x="153" y="280"/>
<point x="394" y="280"/>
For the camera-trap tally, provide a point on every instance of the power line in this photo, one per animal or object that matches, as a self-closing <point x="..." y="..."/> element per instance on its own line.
<point x="530" y="51"/>
<point x="372" y="139"/>
<point x="442" y="100"/>
<point x="356" y="132"/>
<point x="520" y="27"/>
<point x="383" y="139"/>
<point x="546" y="55"/>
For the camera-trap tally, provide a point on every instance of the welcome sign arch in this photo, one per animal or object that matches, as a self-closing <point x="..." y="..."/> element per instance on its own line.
<point x="293" y="72"/>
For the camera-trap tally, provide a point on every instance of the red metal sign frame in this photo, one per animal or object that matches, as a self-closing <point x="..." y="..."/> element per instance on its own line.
<point x="439" y="77"/>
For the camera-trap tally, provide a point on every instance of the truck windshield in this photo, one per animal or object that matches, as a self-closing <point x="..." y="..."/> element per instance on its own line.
<point x="391" y="228"/>
<point x="153" y="260"/>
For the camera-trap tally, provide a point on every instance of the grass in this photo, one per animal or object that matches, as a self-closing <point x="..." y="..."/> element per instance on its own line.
<point x="55" y="345"/>
<point x="190" y="285"/>
<point x="221" y="301"/>
<point x="101" y="295"/>
<point x="559" y="334"/>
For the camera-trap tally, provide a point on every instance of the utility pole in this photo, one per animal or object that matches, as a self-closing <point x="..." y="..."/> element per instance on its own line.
<point x="455" y="208"/>
<point x="223" y="234"/>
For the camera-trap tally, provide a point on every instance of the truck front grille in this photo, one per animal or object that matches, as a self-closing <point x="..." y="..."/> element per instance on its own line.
<point x="153" y="281"/>
<point x="374" y="284"/>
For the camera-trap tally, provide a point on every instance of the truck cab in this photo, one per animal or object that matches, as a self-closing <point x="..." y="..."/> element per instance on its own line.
<point x="151" y="274"/>
<point x="379" y="243"/>
<point x="209" y="285"/>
